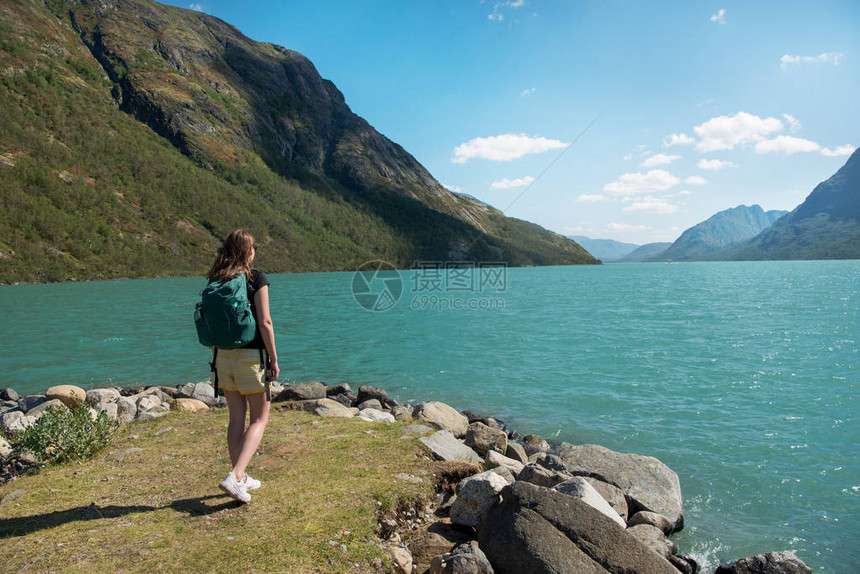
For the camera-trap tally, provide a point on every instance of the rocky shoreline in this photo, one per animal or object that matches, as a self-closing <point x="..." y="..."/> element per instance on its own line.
<point x="507" y="503"/>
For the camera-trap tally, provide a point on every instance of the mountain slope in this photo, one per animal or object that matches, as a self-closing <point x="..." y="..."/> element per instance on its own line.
<point x="605" y="249"/>
<point x="647" y="252"/>
<point x="705" y="240"/>
<point x="825" y="226"/>
<point x="136" y="135"/>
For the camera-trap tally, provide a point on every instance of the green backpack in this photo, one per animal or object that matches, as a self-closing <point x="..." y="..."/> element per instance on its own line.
<point x="223" y="316"/>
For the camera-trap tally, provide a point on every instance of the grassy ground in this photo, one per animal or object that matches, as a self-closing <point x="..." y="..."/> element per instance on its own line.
<point x="150" y="501"/>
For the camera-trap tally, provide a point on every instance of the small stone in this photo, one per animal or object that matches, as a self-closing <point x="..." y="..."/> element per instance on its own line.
<point x="5" y="448"/>
<point x="69" y="394"/>
<point x="402" y="560"/>
<point x="402" y="412"/>
<point x="463" y="559"/>
<point x="185" y="391"/>
<point x="147" y="403"/>
<point x="119" y="455"/>
<point x="533" y="444"/>
<point x="652" y="518"/>
<point x="149" y="415"/>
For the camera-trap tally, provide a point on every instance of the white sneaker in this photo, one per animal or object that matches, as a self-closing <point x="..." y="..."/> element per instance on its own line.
<point x="250" y="483"/>
<point x="234" y="488"/>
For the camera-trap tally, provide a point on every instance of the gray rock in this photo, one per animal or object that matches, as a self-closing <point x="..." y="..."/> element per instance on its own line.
<point x="445" y="446"/>
<point x="28" y="402"/>
<point x="402" y="560"/>
<point x="535" y="444"/>
<point x="13" y="423"/>
<point x="580" y="488"/>
<point x="5" y="448"/>
<point x="483" y="438"/>
<point x="402" y="412"/>
<point x="370" y="404"/>
<point x="8" y="405"/>
<point x="366" y="393"/>
<point x="438" y="538"/>
<point x="119" y="455"/>
<point x="184" y="391"/>
<point x="537" y="529"/>
<point x="649" y="483"/>
<point x="157" y="392"/>
<point x="770" y="563"/>
<point x="653" y="538"/>
<point x="110" y="409"/>
<point x="339" y="389"/>
<point x="443" y="417"/>
<point x="375" y="415"/>
<point x="505" y="473"/>
<point x="653" y="519"/>
<point x="535" y="474"/>
<point x="611" y="494"/>
<point x="417" y="429"/>
<point x="476" y="495"/>
<point x="331" y="408"/>
<point x="147" y="403"/>
<point x="548" y="461"/>
<point x="96" y="396"/>
<point x="38" y="411"/>
<point x="495" y="459"/>
<point x="345" y="400"/>
<point x="303" y="392"/>
<point x="9" y="394"/>
<point x="516" y="451"/>
<point x="463" y="559"/>
<point x="126" y="410"/>
<point x="204" y="392"/>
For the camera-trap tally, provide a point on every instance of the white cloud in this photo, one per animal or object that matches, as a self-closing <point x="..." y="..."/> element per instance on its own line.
<point x="786" y="144"/>
<point x="527" y="92"/>
<point x="454" y="188"/>
<point x="719" y="17"/>
<point x="793" y="122"/>
<point x="678" y="139"/>
<point x="839" y="151"/>
<point x="594" y="197"/>
<point x="726" y="132"/>
<point x="641" y="183"/>
<point x="714" y="164"/>
<point x="505" y="147"/>
<point x="196" y="7"/>
<point x="650" y="204"/>
<point x="497" y="15"/>
<point x="626" y="227"/>
<point x="509" y="183"/>
<point x="685" y="192"/>
<point x="825" y="58"/>
<point x="695" y="180"/>
<point x="659" y="159"/>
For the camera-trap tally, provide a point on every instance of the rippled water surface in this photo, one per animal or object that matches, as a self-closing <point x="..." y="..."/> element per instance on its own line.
<point x="740" y="376"/>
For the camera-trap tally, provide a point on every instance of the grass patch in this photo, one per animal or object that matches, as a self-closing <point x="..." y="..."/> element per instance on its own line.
<point x="150" y="502"/>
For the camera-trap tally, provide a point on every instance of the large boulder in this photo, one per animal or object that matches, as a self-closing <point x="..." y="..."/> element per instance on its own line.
<point x="13" y="423"/>
<point x="9" y="394"/>
<point x="476" y="495"/>
<point x="653" y="538"/>
<point x="28" y="402"/>
<point x="582" y="489"/>
<point x="770" y="563"/>
<point x="40" y="410"/>
<point x="375" y="415"/>
<point x="111" y="410"/>
<point x="305" y="392"/>
<point x="192" y="406"/>
<point x="483" y="438"/>
<point x="647" y="482"/>
<point x="330" y="408"/>
<point x="203" y="392"/>
<point x="611" y="494"/>
<point x="147" y="403"/>
<point x="126" y="410"/>
<point x="542" y="476"/>
<point x="69" y="394"/>
<point x="653" y="519"/>
<point x="445" y="446"/>
<point x="367" y="393"/>
<point x="516" y="451"/>
<point x="443" y="417"/>
<point x="465" y="558"/>
<point x="537" y="529"/>
<point x="495" y="459"/>
<point x="97" y="396"/>
<point x="5" y="448"/>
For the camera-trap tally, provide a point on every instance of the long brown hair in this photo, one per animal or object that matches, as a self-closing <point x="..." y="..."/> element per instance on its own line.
<point x="233" y="257"/>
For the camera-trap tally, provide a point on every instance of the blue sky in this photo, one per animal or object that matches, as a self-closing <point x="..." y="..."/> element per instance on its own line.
<point x="699" y="106"/>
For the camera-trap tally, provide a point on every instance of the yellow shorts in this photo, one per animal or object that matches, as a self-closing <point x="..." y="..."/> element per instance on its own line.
<point x="241" y="370"/>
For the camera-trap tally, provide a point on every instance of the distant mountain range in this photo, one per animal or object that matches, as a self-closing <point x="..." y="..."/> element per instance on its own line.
<point x="825" y="226"/>
<point x="136" y="135"/>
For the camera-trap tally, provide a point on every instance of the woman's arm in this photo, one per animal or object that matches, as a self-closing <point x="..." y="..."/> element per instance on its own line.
<point x="267" y="329"/>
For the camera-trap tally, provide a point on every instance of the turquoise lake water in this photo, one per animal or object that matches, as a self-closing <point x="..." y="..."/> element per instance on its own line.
<point x="739" y="376"/>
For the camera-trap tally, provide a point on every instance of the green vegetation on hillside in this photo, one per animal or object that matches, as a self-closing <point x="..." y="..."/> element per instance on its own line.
<point x="123" y="153"/>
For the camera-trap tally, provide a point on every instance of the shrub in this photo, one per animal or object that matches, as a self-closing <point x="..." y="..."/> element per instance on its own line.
<point x="64" y="434"/>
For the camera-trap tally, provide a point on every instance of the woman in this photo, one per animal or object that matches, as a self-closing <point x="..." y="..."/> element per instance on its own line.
<point x="241" y="371"/>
